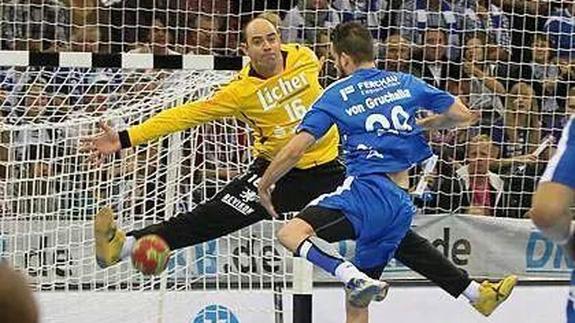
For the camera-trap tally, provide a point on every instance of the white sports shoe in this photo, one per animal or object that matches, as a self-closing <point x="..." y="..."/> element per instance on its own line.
<point x="360" y="291"/>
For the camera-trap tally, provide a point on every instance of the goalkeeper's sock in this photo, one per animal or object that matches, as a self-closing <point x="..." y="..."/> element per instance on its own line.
<point x="127" y="247"/>
<point x="472" y="291"/>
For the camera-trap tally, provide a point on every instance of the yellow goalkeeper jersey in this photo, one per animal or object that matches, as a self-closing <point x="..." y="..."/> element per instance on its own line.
<point x="273" y="108"/>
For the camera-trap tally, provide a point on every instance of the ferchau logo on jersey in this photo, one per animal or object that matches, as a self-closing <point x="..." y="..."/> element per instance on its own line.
<point x="269" y="97"/>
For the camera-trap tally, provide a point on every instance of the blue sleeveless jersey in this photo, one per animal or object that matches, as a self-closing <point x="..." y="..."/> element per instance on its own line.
<point x="375" y="111"/>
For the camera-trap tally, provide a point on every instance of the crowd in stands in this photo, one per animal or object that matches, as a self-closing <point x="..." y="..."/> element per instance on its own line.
<point x="512" y="61"/>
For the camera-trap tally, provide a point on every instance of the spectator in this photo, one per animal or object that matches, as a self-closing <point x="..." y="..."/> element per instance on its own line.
<point x="84" y="12"/>
<point x="481" y="190"/>
<point x="86" y="39"/>
<point x="434" y="65"/>
<point x="543" y="76"/>
<point x="35" y="101"/>
<point x="521" y="123"/>
<point x="248" y="9"/>
<point x="460" y="88"/>
<point x="519" y="135"/>
<point x="204" y="38"/>
<point x="485" y="90"/>
<point x="472" y="188"/>
<point x="328" y="72"/>
<point x="157" y="40"/>
<point x="371" y="13"/>
<point x="272" y="17"/>
<point x="570" y="107"/>
<point x="485" y="17"/>
<point x="10" y="78"/>
<point x="149" y="201"/>
<point x="396" y="55"/>
<point x="526" y="18"/>
<point x="561" y="28"/>
<point x="100" y="93"/>
<point x="566" y="72"/>
<point x="34" y="149"/>
<point x="31" y="25"/>
<point x="415" y="17"/>
<point x="306" y="21"/>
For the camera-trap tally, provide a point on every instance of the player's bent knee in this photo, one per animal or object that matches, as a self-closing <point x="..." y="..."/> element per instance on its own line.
<point x="550" y="202"/>
<point x="293" y="233"/>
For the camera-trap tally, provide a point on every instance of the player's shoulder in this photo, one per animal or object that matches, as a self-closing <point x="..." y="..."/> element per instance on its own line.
<point x="333" y="91"/>
<point x="405" y="77"/>
<point x="389" y="76"/>
<point x="240" y="77"/>
<point x="298" y="49"/>
<point x="297" y="53"/>
<point x="340" y="84"/>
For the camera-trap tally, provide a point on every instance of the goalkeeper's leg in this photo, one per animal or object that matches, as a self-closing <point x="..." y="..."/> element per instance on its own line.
<point x="421" y="256"/>
<point x="233" y="208"/>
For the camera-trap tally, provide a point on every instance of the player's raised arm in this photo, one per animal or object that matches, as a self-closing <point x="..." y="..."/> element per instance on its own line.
<point x="449" y="111"/>
<point x="285" y="160"/>
<point x="315" y="124"/>
<point x="457" y="115"/>
<point x="222" y="104"/>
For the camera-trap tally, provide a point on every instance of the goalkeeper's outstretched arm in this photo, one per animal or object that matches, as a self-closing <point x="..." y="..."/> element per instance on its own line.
<point x="108" y="141"/>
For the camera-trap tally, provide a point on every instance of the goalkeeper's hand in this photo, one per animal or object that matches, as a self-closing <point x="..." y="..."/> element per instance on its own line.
<point x="101" y="145"/>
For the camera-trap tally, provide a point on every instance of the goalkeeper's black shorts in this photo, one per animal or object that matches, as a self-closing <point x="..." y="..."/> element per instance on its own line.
<point x="237" y="206"/>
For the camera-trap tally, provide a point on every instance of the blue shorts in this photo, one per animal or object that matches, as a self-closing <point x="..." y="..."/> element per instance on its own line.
<point x="561" y="167"/>
<point x="379" y="211"/>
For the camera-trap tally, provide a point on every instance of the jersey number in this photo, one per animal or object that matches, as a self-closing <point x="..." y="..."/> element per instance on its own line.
<point x="399" y="118"/>
<point x="295" y="109"/>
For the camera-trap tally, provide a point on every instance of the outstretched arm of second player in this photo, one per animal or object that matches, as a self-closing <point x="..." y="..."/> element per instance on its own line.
<point x="458" y="115"/>
<point x="284" y="161"/>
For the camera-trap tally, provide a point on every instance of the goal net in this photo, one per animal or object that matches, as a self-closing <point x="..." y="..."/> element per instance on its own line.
<point x="68" y="64"/>
<point x="50" y="193"/>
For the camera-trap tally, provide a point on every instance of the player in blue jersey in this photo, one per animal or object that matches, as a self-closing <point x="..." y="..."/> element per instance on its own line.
<point x="374" y="112"/>
<point x="553" y="198"/>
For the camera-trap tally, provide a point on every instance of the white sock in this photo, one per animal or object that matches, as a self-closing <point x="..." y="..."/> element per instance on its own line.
<point x="127" y="247"/>
<point x="472" y="291"/>
<point x="346" y="271"/>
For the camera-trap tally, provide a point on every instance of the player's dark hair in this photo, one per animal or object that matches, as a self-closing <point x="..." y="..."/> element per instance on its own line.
<point x="353" y="39"/>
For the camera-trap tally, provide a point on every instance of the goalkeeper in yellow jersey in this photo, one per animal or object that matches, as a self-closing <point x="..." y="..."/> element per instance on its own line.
<point x="271" y="94"/>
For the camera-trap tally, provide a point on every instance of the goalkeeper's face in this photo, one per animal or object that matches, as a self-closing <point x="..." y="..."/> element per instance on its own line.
<point x="263" y="46"/>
